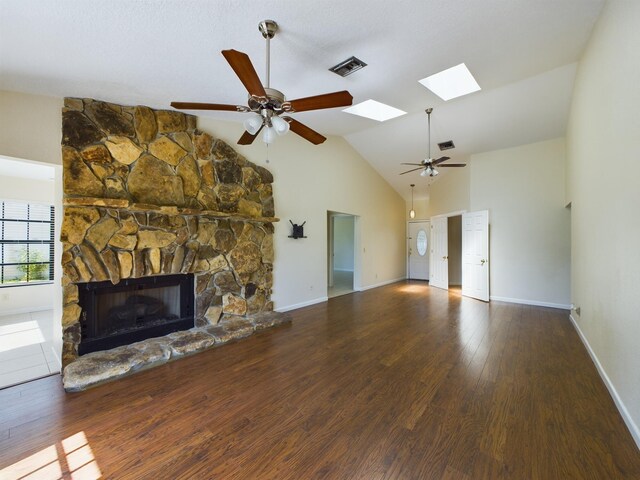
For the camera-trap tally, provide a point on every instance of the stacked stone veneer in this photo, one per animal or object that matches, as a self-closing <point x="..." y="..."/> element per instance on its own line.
<point x="146" y="193"/>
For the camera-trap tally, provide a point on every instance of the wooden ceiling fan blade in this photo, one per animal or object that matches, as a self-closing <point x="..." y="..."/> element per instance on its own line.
<point x="328" y="100"/>
<point x="412" y="170"/>
<point x="439" y="160"/>
<point x="243" y="67"/>
<point x="247" y="138"/>
<point x="204" y="106"/>
<point x="453" y="165"/>
<point x="305" y="132"/>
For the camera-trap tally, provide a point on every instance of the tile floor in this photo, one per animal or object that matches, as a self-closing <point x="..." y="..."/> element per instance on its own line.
<point x="26" y="350"/>
<point x="342" y="283"/>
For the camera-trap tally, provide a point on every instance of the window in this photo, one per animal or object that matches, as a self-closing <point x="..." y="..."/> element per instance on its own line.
<point x="421" y="242"/>
<point x="26" y="243"/>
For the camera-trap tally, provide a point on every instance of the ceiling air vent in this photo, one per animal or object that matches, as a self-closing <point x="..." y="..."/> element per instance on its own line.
<point x="448" y="145"/>
<point x="348" y="66"/>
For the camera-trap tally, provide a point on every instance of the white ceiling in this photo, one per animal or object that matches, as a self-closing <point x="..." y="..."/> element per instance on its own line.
<point x="153" y="52"/>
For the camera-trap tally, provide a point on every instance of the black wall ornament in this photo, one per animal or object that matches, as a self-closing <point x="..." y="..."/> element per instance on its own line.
<point x="298" y="230"/>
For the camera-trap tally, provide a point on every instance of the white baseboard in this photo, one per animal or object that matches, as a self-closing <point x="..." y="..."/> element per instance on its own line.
<point x="531" y="302"/>
<point x="631" y="425"/>
<point x="381" y="284"/>
<point x="302" y="304"/>
<point x="18" y="311"/>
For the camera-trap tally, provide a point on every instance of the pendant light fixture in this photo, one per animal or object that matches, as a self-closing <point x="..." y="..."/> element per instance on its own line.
<point x="412" y="212"/>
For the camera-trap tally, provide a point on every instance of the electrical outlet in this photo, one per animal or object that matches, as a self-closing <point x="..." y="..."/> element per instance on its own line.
<point x="578" y="311"/>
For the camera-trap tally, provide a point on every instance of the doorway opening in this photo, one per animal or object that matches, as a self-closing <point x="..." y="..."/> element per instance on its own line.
<point x="460" y="253"/>
<point x="30" y="211"/>
<point x="454" y="240"/>
<point x="341" y="264"/>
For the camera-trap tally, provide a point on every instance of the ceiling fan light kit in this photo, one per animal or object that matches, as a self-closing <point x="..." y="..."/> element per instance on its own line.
<point x="253" y="124"/>
<point x="267" y="105"/>
<point x="280" y="126"/>
<point x="429" y="172"/>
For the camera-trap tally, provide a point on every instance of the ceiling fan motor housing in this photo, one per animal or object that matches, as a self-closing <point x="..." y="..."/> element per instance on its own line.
<point x="275" y="101"/>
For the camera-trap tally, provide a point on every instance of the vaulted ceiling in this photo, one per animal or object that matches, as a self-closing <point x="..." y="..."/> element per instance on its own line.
<point x="521" y="52"/>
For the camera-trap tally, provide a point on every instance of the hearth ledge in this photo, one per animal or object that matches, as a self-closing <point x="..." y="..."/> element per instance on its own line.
<point x="97" y="368"/>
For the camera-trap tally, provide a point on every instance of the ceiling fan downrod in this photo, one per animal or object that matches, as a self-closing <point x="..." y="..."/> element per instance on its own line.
<point x="429" y="110"/>
<point x="268" y="28"/>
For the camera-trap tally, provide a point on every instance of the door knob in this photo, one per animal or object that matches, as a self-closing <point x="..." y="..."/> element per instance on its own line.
<point x="445" y="258"/>
<point x="483" y="261"/>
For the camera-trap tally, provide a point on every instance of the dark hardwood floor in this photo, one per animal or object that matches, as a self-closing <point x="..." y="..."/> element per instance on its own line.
<point x="399" y="382"/>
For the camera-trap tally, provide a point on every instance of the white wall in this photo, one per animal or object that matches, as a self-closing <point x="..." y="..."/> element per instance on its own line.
<point x="343" y="246"/>
<point x="31" y="297"/>
<point x="529" y="238"/>
<point x="31" y="127"/>
<point x="25" y="189"/>
<point x="450" y="192"/>
<point x="309" y="181"/>
<point x="529" y="234"/>
<point x="603" y="172"/>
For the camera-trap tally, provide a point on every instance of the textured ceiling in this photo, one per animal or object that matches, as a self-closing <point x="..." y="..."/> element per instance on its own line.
<point x="154" y="52"/>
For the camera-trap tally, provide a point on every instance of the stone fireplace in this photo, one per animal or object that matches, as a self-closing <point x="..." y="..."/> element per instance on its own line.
<point x="151" y="205"/>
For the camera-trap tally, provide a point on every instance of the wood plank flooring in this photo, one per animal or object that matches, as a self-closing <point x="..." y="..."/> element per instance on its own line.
<point x="399" y="382"/>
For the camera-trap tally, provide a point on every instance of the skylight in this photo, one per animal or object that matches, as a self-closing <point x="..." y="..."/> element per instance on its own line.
<point x="452" y="83"/>
<point x="374" y="110"/>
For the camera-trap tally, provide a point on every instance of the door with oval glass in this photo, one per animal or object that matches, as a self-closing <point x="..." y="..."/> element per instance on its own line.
<point x="418" y="252"/>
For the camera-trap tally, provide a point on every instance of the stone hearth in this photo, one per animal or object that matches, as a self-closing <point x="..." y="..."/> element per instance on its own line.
<point x="100" y="367"/>
<point x="146" y="193"/>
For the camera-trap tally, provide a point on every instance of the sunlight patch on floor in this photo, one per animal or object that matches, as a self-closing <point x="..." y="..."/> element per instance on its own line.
<point x="413" y="288"/>
<point x="72" y="455"/>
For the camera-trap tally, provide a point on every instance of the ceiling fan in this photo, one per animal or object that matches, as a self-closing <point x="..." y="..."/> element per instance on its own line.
<point x="428" y="164"/>
<point x="268" y="105"/>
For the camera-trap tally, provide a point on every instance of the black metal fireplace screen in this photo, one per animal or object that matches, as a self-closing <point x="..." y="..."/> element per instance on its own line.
<point x="133" y="310"/>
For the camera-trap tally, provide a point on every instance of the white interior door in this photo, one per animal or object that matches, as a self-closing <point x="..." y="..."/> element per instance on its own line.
<point x="475" y="255"/>
<point x="419" y="250"/>
<point x="439" y="265"/>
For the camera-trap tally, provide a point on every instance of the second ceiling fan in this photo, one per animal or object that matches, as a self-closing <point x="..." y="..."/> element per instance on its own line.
<point x="269" y="106"/>
<point x="428" y="164"/>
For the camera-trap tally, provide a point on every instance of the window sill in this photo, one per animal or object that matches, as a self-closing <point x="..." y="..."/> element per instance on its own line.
<point x="26" y="284"/>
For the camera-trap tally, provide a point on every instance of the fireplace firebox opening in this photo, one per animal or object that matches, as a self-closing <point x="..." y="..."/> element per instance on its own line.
<point x="134" y="310"/>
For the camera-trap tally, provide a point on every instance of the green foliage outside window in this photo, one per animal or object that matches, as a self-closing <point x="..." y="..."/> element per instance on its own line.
<point x="31" y="272"/>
